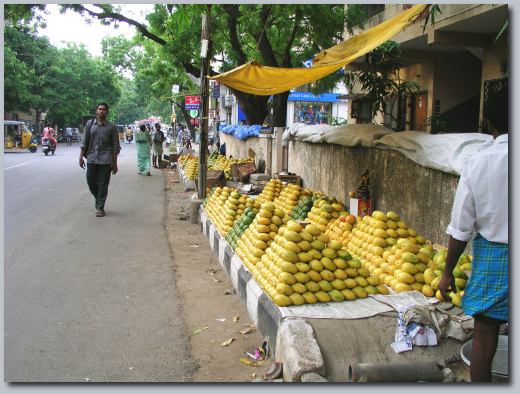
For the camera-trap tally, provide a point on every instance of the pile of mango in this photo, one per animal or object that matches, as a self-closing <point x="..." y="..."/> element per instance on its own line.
<point x="271" y="191"/>
<point x="341" y="228"/>
<point x="190" y="165"/>
<point x="260" y="234"/>
<point x="302" y="265"/>
<point x="225" y="206"/>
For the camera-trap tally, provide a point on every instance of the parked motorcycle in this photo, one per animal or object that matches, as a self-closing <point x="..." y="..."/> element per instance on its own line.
<point x="48" y="146"/>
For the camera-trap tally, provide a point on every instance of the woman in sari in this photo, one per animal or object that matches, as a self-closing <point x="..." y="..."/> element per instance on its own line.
<point x="143" y="142"/>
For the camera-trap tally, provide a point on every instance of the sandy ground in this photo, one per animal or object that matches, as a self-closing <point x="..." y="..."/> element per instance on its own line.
<point x="211" y="315"/>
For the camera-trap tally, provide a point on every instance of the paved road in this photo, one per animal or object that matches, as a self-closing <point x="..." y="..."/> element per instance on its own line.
<point x="86" y="298"/>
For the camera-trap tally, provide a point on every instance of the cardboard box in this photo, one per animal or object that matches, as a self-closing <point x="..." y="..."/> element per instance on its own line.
<point x="214" y="178"/>
<point x="241" y="172"/>
<point x="289" y="178"/>
<point x="360" y="207"/>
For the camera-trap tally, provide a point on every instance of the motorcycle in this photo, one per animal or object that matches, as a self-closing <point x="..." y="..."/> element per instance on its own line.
<point x="48" y="146"/>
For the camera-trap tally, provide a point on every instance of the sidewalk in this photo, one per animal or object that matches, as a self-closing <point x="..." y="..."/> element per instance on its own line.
<point x="326" y="346"/>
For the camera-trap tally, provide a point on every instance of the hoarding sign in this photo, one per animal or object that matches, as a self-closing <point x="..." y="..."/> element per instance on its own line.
<point x="192" y="102"/>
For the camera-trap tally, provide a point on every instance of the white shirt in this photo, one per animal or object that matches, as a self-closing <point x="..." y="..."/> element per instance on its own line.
<point x="212" y="148"/>
<point x="481" y="203"/>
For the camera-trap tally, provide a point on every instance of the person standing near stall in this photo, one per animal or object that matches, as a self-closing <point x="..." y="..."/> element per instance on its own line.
<point x="157" y="149"/>
<point x="480" y="213"/>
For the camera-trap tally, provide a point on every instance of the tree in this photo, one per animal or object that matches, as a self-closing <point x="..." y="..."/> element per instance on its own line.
<point x="381" y="82"/>
<point x="278" y="35"/>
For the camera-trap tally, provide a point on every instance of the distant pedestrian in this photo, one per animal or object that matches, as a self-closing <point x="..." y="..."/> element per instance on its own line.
<point x="100" y="147"/>
<point x="143" y="142"/>
<point x="157" y="149"/>
<point x="68" y="133"/>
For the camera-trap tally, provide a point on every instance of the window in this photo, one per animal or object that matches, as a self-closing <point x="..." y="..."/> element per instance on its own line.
<point x="312" y="112"/>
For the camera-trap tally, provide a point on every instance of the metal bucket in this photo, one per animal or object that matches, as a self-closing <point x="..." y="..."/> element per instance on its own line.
<point x="500" y="365"/>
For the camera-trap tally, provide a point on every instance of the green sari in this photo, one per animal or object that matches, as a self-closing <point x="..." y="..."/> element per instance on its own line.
<point x="142" y="142"/>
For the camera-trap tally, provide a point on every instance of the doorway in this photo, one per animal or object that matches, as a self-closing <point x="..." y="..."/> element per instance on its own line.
<point x="419" y="111"/>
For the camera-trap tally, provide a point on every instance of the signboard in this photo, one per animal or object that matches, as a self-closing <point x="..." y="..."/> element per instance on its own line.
<point x="192" y="102"/>
<point x="215" y="91"/>
<point x="307" y="96"/>
<point x="175" y="89"/>
<point x="194" y="113"/>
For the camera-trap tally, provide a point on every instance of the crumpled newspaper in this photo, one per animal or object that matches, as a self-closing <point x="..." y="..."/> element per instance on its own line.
<point x="447" y="320"/>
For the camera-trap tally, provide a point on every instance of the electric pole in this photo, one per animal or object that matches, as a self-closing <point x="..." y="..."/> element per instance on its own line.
<point x="205" y="58"/>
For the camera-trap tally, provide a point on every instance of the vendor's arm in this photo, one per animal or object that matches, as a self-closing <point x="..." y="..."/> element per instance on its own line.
<point x="461" y="230"/>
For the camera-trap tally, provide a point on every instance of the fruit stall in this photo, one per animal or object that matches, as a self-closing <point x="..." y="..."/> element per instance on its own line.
<point x="304" y="247"/>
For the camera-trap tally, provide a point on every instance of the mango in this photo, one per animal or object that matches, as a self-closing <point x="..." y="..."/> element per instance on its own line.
<point x="338" y="284"/>
<point x="313" y="229"/>
<point x="382" y="289"/>
<point x="322" y="296"/>
<point x="301" y="277"/>
<point x="327" y="275"/>
<point x="361" y="281"/>
<point x="282" y="300"/>
<point x="310" y="298"/>
<point x="428" y="291"/>
<point x="350" y="283"/>
<point x="299" y="288"/>
<point x="285" y="289"/>
<point x="316" y="265"/>
<point x="297" y="299"/>
<point x="404" y="277"/>
<point x="313" y="287"/>
<point x="348" y="294"/>
<point x="371" y="289"/>
<point x="325" y="285"/>
<point x="340" y="274"/>
<point x="314" y="276"/>
<point x="360" y="292"/>
<point x="303" y="267"/>
<point x="399" y="287"/>
<point x="288" y="267"/>
<point x="336" y="295"/>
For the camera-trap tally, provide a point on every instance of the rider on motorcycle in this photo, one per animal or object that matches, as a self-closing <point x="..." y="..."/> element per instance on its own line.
<point x="48" y="132"/>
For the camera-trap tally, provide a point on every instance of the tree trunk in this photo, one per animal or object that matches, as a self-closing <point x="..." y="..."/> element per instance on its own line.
<point x="37" y="119"/>
<point x="254" y="107"/>
<point x="280" y="109"/>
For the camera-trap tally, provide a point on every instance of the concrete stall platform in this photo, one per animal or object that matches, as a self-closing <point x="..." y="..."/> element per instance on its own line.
<point x="322" y="348"/>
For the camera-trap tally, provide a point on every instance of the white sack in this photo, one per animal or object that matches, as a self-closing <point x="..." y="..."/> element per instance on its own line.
<point x="443" y="152"/>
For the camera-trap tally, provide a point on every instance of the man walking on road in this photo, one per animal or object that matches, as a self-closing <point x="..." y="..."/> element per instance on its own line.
<point x="100" y="147"/>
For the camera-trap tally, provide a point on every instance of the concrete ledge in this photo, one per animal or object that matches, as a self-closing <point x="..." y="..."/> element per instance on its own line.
<point x="298" y="350"/>
<point x="244" y="277"/>
<point x="269" y="317"/>
<point x="312" y="377"/>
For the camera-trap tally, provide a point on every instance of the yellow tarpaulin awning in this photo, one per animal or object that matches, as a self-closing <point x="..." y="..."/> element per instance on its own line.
<point x="261" y="80"/>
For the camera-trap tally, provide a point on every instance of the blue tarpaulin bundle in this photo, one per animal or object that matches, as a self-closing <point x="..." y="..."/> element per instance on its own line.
<point x="241" y="132"/>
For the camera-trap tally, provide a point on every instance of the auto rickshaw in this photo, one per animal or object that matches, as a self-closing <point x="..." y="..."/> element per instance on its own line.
<point x="18" y="137"/>
<point x="121" y="132"/>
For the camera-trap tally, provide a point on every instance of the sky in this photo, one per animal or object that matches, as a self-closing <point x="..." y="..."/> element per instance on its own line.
<point x="71" y="27"/>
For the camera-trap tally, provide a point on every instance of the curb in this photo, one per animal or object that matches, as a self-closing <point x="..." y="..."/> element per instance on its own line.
<point x="292" y="340"/>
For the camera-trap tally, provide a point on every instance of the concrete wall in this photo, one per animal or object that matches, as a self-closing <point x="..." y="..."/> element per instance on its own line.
<point x="266" y="150"/>
<point x="422" y="196"/>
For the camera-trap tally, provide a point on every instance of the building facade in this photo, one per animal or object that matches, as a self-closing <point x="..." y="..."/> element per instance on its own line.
<point x="454" y="62"/>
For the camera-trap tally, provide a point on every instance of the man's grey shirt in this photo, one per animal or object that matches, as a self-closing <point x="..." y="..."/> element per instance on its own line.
<point x="101" y="142"/>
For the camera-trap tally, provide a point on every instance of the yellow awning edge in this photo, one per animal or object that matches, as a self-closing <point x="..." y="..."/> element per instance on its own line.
<point x="261" y="80"/>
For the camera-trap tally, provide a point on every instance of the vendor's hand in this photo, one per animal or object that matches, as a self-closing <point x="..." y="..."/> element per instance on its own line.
<point x="446" y="283"/>
<point x="114" y="168"/>
<point x="81" y="162"/>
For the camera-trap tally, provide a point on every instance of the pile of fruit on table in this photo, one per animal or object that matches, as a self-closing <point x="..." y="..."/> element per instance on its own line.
<point x="329" y="255"/>
<point x="190" y="165"/>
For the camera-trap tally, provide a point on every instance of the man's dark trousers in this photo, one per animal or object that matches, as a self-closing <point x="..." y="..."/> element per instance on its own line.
<point x="98" y="178"/>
